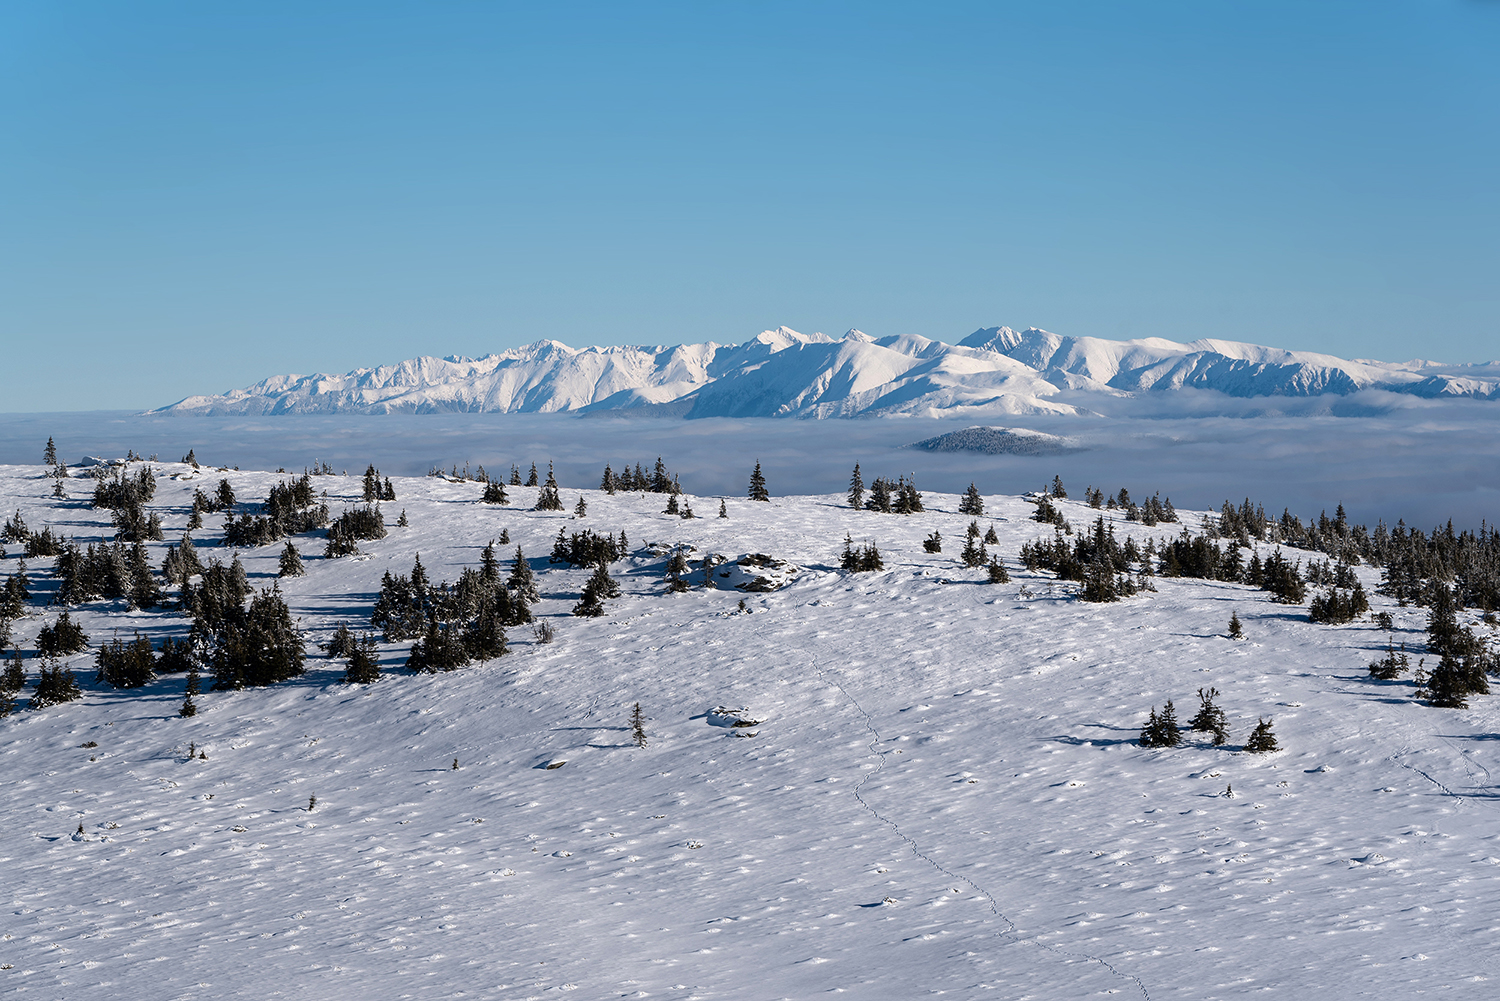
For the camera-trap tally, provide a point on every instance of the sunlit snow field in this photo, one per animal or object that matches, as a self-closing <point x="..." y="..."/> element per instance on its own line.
<point x="946" y="795"/>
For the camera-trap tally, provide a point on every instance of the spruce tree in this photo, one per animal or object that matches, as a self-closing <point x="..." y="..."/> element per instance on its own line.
<point x="607" y="484"/>
<point x="723" y="509"/>
<point x="638" y="726"/>
<point x="990" y="538"/>
<point x="856" y="489"/>
<point x="291" y="562"/>
<point x="494" y="493"/>
<point x="58" y="493"/>
<point x="677" y="569"/>
<point x="581" y="509"/>
<point x="56" y="684"/>
<point x="758" y="485"/>
<point x="1262" y="740"/>
<point x="1236" y="631"/>
<point x="1058" y="490"/>
<point x="189" y="707"/>
<point x="364" y="662"/>
<point x="49" y="456"/>
<point x="522" y="581"/>
<point x="1210" y="718"/>
<point x="997" y="571"/>
<point x="531" y="479"/>
<point x="972" y="503"/>
<point x="14" y="677"/>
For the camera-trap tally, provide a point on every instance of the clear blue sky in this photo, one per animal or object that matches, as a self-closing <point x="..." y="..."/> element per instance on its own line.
<point x="195" y="196"/>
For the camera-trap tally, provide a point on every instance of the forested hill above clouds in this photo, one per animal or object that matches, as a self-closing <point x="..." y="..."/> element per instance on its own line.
<point x="783" y="373"/>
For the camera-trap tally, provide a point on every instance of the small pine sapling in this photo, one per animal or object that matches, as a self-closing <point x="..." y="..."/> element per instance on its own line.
<point x="1262" y="740"/>
<point x="312" y="803"/>
<point x="189" y="707"/>
<point x="401" y="522"/>
<point x="638" y="726"/>
<point x="1236" y="631"/>
<point x="990" y="538"/>
<point x="723" y="510"/>
<point x="581" y="509"/>
<point x="933" y="543"/>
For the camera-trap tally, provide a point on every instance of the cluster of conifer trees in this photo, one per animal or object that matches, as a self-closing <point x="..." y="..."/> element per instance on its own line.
<point x="637" y="480"/>
<point x="290" y="509"/>
<point x="900" y="497"/>
<point x="454" y="625"/>
<point x="1162" y="729"/>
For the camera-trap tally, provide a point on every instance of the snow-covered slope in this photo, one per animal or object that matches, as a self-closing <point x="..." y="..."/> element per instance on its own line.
<point x="782" y="373"/>
<point x="944" y="793"/>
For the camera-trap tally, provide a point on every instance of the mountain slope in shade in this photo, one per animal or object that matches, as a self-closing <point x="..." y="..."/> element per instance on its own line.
<point x="782" y="373"/>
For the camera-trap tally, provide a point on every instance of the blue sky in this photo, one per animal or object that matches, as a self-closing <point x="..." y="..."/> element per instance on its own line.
<point x="196" y="196"/>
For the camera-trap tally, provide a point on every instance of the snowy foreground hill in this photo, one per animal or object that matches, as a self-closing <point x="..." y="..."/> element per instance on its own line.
<point x="944" y="793"/>
<point x="782" y="373"/>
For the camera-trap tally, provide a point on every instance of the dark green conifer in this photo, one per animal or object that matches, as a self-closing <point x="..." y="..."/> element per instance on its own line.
<point x="758" y="490"/>
<point x="1262" y="740"/>
<point x="291" y="562"/>
<point x="972" y="503"/>
<point x="189" y="707"/>
<point x="856" y="489"/>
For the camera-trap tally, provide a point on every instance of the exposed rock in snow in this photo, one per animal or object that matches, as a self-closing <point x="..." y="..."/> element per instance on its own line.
<point x="758" y="572"/>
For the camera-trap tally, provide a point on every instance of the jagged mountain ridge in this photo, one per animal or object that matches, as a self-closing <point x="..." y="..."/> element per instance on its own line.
<point x="783" y="373"/>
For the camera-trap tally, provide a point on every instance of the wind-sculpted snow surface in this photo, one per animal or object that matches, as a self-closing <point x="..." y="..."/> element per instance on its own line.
<point x="943" y="793"/>
<point x="782" y="373"/>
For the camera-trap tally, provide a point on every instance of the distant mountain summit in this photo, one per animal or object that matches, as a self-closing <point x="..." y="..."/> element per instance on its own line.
<point x="993" y="372"/>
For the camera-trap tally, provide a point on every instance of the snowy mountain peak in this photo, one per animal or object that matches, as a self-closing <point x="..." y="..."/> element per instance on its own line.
<point x="995" y="371"/>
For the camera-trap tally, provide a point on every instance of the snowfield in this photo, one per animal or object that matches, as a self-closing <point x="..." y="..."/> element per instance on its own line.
<point x="941" y="792"/>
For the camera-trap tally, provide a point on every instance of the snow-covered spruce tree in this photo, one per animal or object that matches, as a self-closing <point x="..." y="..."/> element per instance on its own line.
<point x="58" y="493"/>
<point x="49" y="456"/>
<point x="997" y="572"/>
<point x="371" y="484"/>
<point x="13" y="679"/>
<point x="973" y="554"/>
<point x="189" y="707"/>
<point x="1262" y="740"/>
<point x="259" y="646"/>
<point x="677" y="570"/>
<point x="581" y="509"/>
<point x="856" y="489"/>
<point x="225" y="496"/>
<point x="55" y="684"/>
<point x="758" y="490"/>
<point x="522" y="584"/>
<point x="672" y="505"/>
<point x="638" y="726"/>
<point x="1058" y="490"/>
<point x="401" y="522"/>
<point x="532" y="479"/>
<point x="990" y="538"/>
<point x="723" y="509"/>
<point x="591" y="601"/>
<point x="607" y="483"/>
<point x="494" y="493"/>
<point x="908" y="500"/>
<point x="1236" y="631"/>
<point x="291" y="562"/>
<point x="547" y="499"/>
<point x="1392" y="665"/>
<point x="972" y="503"/>
<point x="363" y="662"/>
<point x="869" y="558"/>
<point x="1210" y="718"/>
<point x="1162" y="730"/>
<point x="341" y="643"/>
<point x="441" y="649"/>
<point x="62" y="638"/>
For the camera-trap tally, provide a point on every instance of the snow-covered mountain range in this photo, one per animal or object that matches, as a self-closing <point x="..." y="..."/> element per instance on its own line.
<point x="782" y="373"/>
